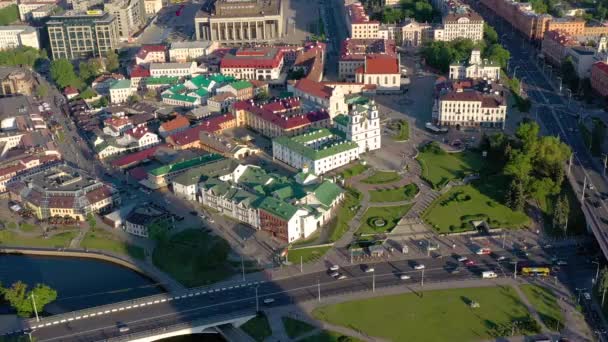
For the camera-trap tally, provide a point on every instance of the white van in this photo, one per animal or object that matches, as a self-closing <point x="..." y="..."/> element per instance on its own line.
<point x="488" y="274"/>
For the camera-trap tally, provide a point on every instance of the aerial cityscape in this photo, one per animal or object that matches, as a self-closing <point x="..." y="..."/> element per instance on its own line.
<point x="294" y="170"/>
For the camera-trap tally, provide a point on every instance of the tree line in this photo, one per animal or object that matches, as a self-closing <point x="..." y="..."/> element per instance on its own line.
<point x="440" y="55"/>
<point x="534" y="166"/>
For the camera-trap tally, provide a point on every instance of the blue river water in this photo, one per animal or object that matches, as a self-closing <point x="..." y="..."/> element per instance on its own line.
<point x="80" y="282"/>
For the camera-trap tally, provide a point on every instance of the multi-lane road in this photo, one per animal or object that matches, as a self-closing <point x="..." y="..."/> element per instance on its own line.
<point x="249" y="297"/>
<point x="558" y="115"/>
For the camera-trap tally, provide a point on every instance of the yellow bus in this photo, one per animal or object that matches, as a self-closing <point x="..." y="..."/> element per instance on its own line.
<point x="535" y="271"/>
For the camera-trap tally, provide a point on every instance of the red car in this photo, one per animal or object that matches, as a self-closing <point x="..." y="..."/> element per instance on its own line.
<point x="470" y="263"/>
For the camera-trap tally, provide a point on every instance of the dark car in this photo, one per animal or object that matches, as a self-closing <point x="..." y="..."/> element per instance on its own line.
<point x="193" y="213"/>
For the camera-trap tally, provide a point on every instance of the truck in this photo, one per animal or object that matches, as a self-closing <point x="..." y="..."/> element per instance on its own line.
<point x="488" y="274"/>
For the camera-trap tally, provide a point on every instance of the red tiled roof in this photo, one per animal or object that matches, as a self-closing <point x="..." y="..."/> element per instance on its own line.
<point x="210" y="125"/>
<point x="138" y="173"/>
<point x="277" y="113"/>
<point x="143" y="52"/>
<point x="357" y="49"/>
<point x="180" y="121"/>
<point x="316" y="89"/>
<point x="357" y="14"/>
<point x="140" y="71"/>
<point x="138" y="132"/>
<point x="69" y="90"/>
<point x="269" y="58"/>
<point x="377" y="64"/>
<point x="61" y="202"/>
<point x="560" y="37"/>
<point x="6" y="171"/>
<point x="137" y="157"/>
<point x="105" y="77"/>
<point x="99" y="194"/>
<point x="601" y="66"/>
<point x="117" y="122"/>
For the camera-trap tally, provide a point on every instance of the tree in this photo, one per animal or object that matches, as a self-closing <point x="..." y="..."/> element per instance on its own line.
<point x="42" y="90"/>
<point x="560" y="214"/>
<point x="519" y="166"/>
<point x="90" y="69"/>
<point x="604" y="283"/>
<point x="88" y="93"/>
<point x="489" y="34"/>
<point x="262" y="96"/>
<point x="569" y="74"/>
<point x="111" y="61"/>
<point x="133" y="99"/>
<point x="296" y="74"/>
<point x="539" y="6"/>
<point x="91" y="221"/>
<point x="26" y="56"/>
<point x="528" y="135"/>
<point x="22" y="300"/>
<point x="62" y="72"/>
<point x="515" y="198"/>
<point x="159" y="231"/>
<point x="498" y="54"/>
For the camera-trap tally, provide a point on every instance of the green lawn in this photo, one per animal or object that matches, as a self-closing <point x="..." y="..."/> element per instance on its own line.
<point x="435" y="316"/>
<point x="9" y="15"/>
<point x="105" y="241"/>
<point x="307" y="254"/>
<point x="545" y="303"/>
<point x="453" y="211"/>
<point x="440" y="167"/>
<point x="402" y="127"/>
<point x="194" y="258"/>
<point x="576" y="219"/>
<point x="257" y="327"/>
<point x="354" y="170"/>
<point x="329" y="336"/>
<point x="382" y="177"/>
<point x="346" y="211"/>
<point x="295" y="328"/>
<point x="403" y="193"/>
<point x="391" y="215"/>
<point x="28" y="227"/>
<point x="60" y="240"/>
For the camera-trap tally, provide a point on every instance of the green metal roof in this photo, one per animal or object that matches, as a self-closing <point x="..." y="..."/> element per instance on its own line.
<point x="178" y="88"/>
<point x="289" y="191"/>
<point x="202" y="92"/>
<point x="179" y="97"/>
<point x="161" y="80"/>
<point x="341" y="120"/>
<point x="213" y="169"/>
<point x="327" y="192"/>
<point x="186" y="164"/>
<point x="277" y="208"/>
<point x="201" y="81"/>
<point x="121" y="84"/>
<point x="356" y="99"/>
<point x="255" y="178"/>
<point x="238" y="85"/>
<point x="299" y="145"/>
<point x="219" y="78"/>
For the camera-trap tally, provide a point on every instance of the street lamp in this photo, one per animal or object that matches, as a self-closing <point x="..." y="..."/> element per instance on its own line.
<point x="597" y="272"/>
<point x="257" y="302"/>
<point x="521" y="86"/>
<point x="560" y="83"/>
<point x="34" y="305"/>
<point x="374" y="281"/>
<point x="515" y="71"/>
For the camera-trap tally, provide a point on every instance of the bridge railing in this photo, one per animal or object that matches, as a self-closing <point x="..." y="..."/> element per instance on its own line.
<point x="119" y="306"/>
<point x="214" y="321"/>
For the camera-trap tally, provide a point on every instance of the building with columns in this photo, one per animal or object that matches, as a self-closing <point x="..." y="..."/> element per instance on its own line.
<point x="241" y="21"/>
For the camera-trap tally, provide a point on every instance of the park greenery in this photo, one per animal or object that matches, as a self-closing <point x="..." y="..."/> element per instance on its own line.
<point x="99" y="239"/>
<point x="444" y="315"/>
<point x="389" y="217"/>
<point x="440" y="55"/>
<point x="296" y="328"/>
<point x="306" y="255"/>
<point x="59" y="240"/>
<point x="382" y="177"/>
<point x="354" y="170"/>
<point x="258" y="327"/>
<point x="396" y="194"/>
<point x="22" y="56"/>
<point x="401" y="128"/>
<point x="440" y="167"/>
<point x="112" y="62"/>
<point x="9" y="15"/>
<point x="23" y="300"/>
<point x="420" y="10"/>
<point x="514" y="85"/>
<point x="193" y="257"/>
<point x="346" y="211"/>
<point x="545" y="302"/>
<point x="62" y="72"/>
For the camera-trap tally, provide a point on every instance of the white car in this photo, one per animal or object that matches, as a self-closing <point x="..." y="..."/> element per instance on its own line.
<point x="334" y="268"/>
<point x="369" y="269"/>
<point x="342" y="276"/>
<point x="587" y="295"/>
<point x="562" y="263"/>
<point x="268" y="300"/>
<point x="404" y="277"/>
<point x="462" y="259"/>
<point x="334" y="274"/>
<point x="501" y="258"/>
<point x="419" y="267"/>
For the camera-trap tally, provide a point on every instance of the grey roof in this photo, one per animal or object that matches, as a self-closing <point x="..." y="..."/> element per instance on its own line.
<point x="164" y="66"/>
<point x="191" y="44"/>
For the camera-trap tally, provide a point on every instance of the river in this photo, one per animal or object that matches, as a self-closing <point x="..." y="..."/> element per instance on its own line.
<point x="80" y="282"/>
